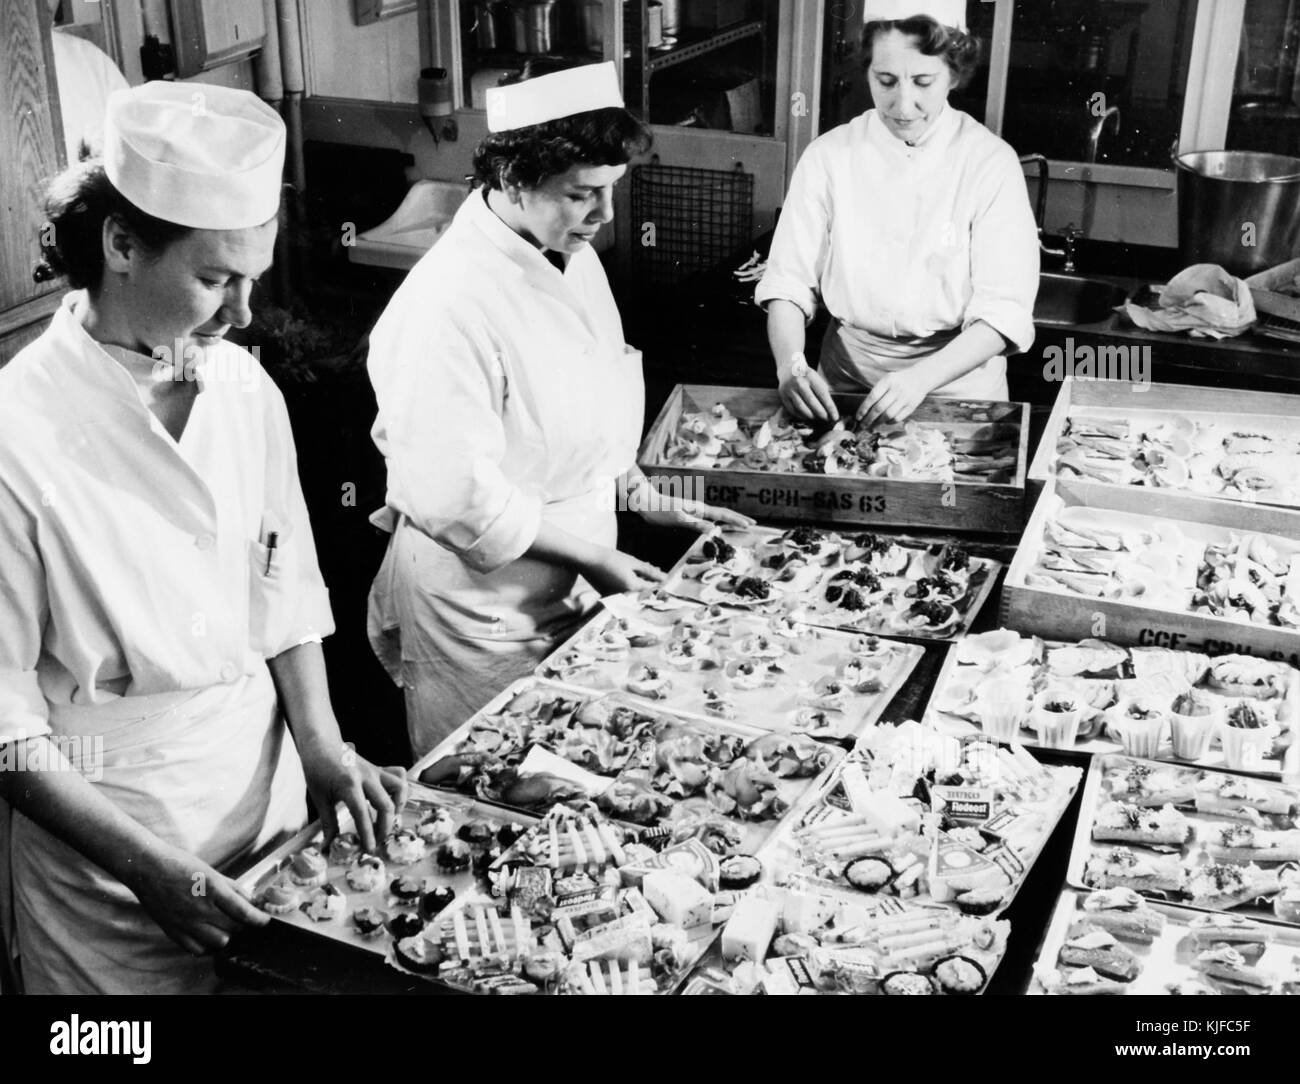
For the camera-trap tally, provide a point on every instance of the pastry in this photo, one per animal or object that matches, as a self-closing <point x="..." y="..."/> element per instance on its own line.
<point x="870" y="874"/>
<point x="906" y="983"/>
<point x="404" y="924"/>
<point x="648" y="681"/>
<point x="366" y="873"/>
<point x="1233" y="796"/>
<point x="344" y="847"/>
<point x="279" y="899"/>
<point x="326" y="905"/>
<point x="739" y="871"/>
<point x="453" y="855"/>
<point x="477" y="833"/>
<point x="1124" y="913"/>
<point x="959" y="975"/>
<point x="437" y="828"/>
<point x="1245" y="676"/>
<point x="435" y="901"/>
<point x="418" y="953"/>
<point x="308" y="867"/>
<point x="1247" y="843"/>
<point x="1225" y="962"/>
<point x="508" y="833"/>
<point x="1124" y="867"/>
<point x="369" y="922"/>
<point x="1089" y="946"/>
<point x="1214" y="929"/>
<point x="404" y="847"/>
<point x="1125" y="823"/>
<point x="1224" y="886"/>
<point x="407" y="887"/>
<point x="1080" y="981"/>
<point x="1152" y="785"/>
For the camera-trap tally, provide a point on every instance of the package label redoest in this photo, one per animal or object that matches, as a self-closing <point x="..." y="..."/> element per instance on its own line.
<point x="973" y="805"/>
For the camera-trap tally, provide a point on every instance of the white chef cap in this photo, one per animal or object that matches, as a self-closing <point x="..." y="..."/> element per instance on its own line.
<point x="551" y="97"/>
<point x="207" y="157"/>
<point x="948" y="12"/>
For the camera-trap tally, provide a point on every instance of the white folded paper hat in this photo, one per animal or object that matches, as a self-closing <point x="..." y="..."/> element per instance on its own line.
<point x="948" y="12"/>
<point x="551" y="97"/>
<point x="207" y="157"/>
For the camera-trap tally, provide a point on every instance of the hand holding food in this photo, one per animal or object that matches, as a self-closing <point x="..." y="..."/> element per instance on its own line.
<point x="615" y="571"/>
<point x="895" y="397"/>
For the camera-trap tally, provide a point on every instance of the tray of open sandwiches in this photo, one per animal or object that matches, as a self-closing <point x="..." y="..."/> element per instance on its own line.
<point x="1089" y="697"/>
<point x="1210" y="840"/>
<point x="774" y="673"/>
<point x="539" y="743"/>
<point x="1114" y="941"/>
<point x="853" y="581"/>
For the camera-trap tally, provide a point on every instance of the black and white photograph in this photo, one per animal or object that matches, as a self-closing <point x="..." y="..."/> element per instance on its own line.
<point x="649" y="498"/>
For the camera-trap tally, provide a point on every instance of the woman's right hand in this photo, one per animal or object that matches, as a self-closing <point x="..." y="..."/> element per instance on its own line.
<point x="805" y="394"/>
<point x="614" y="571"/>
<point x="196" y="906"/>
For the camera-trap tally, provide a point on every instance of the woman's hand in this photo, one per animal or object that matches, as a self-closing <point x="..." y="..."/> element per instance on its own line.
<point x="374" y="796"/>
<point x="805" y="393"/>
<point x="195" y="906"/>
<point x="662" y="511"/>
<point x="895" y="396"/>
<point x="615" y="571"/>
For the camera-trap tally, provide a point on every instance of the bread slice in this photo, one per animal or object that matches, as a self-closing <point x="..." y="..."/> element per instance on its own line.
<point x="1124" y="822"/>
<point x="1126" y="868"/>
<point x="1089" y="946"/>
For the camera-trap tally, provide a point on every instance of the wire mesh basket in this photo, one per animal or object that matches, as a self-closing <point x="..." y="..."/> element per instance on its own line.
<point x="686" y="220"/>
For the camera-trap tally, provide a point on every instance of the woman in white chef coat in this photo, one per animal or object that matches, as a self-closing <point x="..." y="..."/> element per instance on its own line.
<point x="912" y="223"/>
<point x="510" y="409"/>
<point x="162" y="609"/>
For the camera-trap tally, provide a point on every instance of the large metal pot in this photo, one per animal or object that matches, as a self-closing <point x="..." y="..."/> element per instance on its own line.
<point x="1238" y="209"/>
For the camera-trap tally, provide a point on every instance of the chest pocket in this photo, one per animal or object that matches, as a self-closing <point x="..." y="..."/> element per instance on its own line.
<point x="272" y="579"/>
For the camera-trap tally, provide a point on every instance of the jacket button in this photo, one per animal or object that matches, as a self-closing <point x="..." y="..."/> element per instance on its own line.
<point x="204" y="541"/>
<point x="229" y="671"/>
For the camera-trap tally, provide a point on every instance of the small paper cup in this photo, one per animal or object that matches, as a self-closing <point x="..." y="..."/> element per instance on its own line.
<point x="1245" y="749"/>
<point x="1191" y="734"/>
<point x="1139" y="737"/>
<point x="1056" y="729"/>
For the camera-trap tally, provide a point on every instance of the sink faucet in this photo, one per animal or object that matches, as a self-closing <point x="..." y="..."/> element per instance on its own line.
<point x="1040" y="207"/>
<point x="1095" y="132"/>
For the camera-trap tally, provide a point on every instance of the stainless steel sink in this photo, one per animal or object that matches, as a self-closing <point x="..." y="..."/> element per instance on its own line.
<point x="1064" y="300"/>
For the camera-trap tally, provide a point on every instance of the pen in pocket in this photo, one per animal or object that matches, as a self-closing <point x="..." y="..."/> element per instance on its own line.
<point x="271" y="540"/>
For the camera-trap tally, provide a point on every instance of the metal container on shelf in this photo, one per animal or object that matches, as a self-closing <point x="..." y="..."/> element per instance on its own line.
<point x="535" y="26"/>
<point x="672" y="17"/>
<point x="591" y="16"/>
<point x="1238" y="209"/>
<point x="490" y="29"/>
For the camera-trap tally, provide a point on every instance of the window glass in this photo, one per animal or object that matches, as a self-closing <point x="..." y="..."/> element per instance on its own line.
<point x="1266" y="93"/>
<point x="1099" y="80"/>
<point x="973" y="96"/>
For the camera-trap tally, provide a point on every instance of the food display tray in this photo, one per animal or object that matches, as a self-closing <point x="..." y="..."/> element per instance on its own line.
<point x="782" y="851"/>
<point x="1059" y="614"/>
<point x="956" y="680"/>
<point x="1096" y="792"/>
<point x="804" y="601"/>
<point x="421" y="803"/>
<point x="1168" y="959"/>
<point x="1249" y="411"/>
<point x="753" y="832"/>
<point x="804" y="662"/>
<point x="809" y="498"/>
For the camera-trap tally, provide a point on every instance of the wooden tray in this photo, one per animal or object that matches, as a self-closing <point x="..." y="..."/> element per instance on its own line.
<point x="681" y="583"/>
<point x="768" y="708"/>
<point x="1261" y="412"/>
<point x="422" y="801"/>
<point x="1064" y="615"/>
<point x="1095" y="794"/>
<point x="1168" y="959"/>
<point x="754" y="833"/>
<point x="959" y="724"/>
<point x="808" y="498"/>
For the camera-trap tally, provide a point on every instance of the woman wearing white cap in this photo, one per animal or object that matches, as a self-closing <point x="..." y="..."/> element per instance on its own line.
<point x="912" y="223"/>
<point x="509" y="410"/>
<point x="163" y="608"/>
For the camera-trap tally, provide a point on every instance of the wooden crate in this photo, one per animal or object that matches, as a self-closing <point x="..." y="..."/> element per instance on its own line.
<point x="1062" y="615"/>
<point x="845" y="499"/>
<point x="1260" y="411"/>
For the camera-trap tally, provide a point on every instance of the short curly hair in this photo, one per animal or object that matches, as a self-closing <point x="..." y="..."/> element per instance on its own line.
<point x="77" y="203"/>
<point x="529" y="157"/>
<point x="961" y="51"/>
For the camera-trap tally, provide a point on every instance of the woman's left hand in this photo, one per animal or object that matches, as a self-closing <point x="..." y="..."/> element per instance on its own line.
<point x="895" y="397"/>
<point x="695" y="515"/>
<point x="374" y="796"/>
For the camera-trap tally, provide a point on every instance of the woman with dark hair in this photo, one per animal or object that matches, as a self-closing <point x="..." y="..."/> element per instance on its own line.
<point x="912" y="224"/>
<point x="510" y="409"/>
<point x="161" y="609"/>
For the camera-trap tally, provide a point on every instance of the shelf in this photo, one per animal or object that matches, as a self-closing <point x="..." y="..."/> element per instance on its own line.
<point x="699" y="46"/>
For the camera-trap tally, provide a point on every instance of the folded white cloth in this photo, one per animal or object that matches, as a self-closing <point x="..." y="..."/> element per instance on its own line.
<point x="1204" y="300"/>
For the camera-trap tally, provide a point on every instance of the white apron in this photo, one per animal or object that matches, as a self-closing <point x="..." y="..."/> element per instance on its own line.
<point x="853" y="360"/>
<point x="210" y="772"/>
<point x="507" y="397"/>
